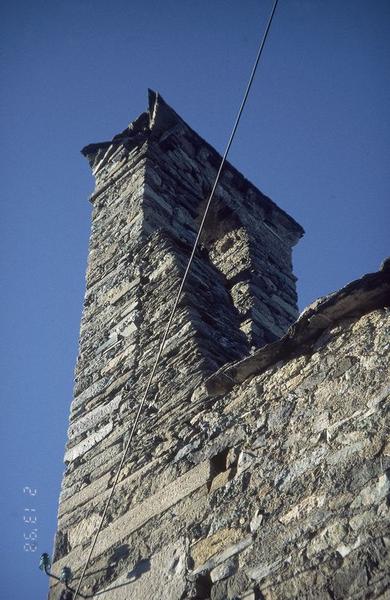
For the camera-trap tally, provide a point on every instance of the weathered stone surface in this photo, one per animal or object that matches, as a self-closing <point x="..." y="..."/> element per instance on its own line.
<point x="271" y="478"/>
<point x="164" y="571"/>
<point x="357" y="298"/>
<point x="213" y="544"/>
<point x="224" y="570"/>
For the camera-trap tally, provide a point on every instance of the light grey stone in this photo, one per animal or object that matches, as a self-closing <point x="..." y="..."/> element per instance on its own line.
<point x="223" y="571"/>
<point x="94" y="438"/>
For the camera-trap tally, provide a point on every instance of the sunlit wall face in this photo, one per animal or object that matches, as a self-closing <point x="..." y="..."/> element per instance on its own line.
<point x="314" y="138"/>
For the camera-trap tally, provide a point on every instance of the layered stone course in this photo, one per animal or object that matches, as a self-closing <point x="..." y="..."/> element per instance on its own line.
<point x="151" y="181"/>
<point x="277" y="488"/>
<point x="265" y="477"/>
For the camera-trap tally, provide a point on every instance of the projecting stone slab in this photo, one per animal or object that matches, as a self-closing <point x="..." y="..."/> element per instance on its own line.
<point x="218" y="541"/>
<point x="155" y="505"/>
<point x="141" y="513"/>
<point x="221" y="557"/>
<point x="355" y="299"/>
<point x="83" y="447"/>
<point x="93" y="417"/>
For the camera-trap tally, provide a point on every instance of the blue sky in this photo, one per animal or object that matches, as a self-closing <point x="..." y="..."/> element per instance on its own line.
<point x="314" y="137"/>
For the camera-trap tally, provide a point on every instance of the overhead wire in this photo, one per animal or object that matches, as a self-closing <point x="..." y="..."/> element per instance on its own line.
<point x="179" y="293"/>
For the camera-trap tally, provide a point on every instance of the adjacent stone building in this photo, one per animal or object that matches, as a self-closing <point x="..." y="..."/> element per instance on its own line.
<point x="254" y="473"/>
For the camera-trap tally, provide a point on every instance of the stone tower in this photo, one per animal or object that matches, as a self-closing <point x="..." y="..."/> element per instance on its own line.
<point x="152" y="181"/>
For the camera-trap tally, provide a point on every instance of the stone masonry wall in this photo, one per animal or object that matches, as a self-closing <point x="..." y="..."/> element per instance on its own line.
<point x="151" y="183"/>
<point x="275" y="489"/>
<point x="266" y="480"/>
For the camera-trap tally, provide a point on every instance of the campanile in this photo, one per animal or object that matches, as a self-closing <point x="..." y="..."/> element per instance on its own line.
<point x="151" y="184"/>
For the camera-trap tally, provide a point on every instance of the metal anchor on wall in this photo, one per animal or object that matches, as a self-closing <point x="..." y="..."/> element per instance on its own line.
<point x="65" y="577"/>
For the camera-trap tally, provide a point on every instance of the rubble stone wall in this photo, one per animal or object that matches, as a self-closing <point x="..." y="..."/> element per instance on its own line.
<point x="274" y="487"/>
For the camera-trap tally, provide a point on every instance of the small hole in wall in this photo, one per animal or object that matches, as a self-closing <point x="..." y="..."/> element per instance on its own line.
<point x="218" y="463"/>
<point x="203" y="586"/>
<point x="246" y="481"/>
<point x="229" y="243"/>
<point x="226" y="460"/>
<point x="66" y="595"/>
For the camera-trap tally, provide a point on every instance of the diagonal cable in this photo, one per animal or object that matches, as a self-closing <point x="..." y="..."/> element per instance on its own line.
<point x="178" y="296"/>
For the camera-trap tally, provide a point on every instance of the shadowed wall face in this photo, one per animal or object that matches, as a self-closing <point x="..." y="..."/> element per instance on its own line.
<point x="151" y="184"/>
